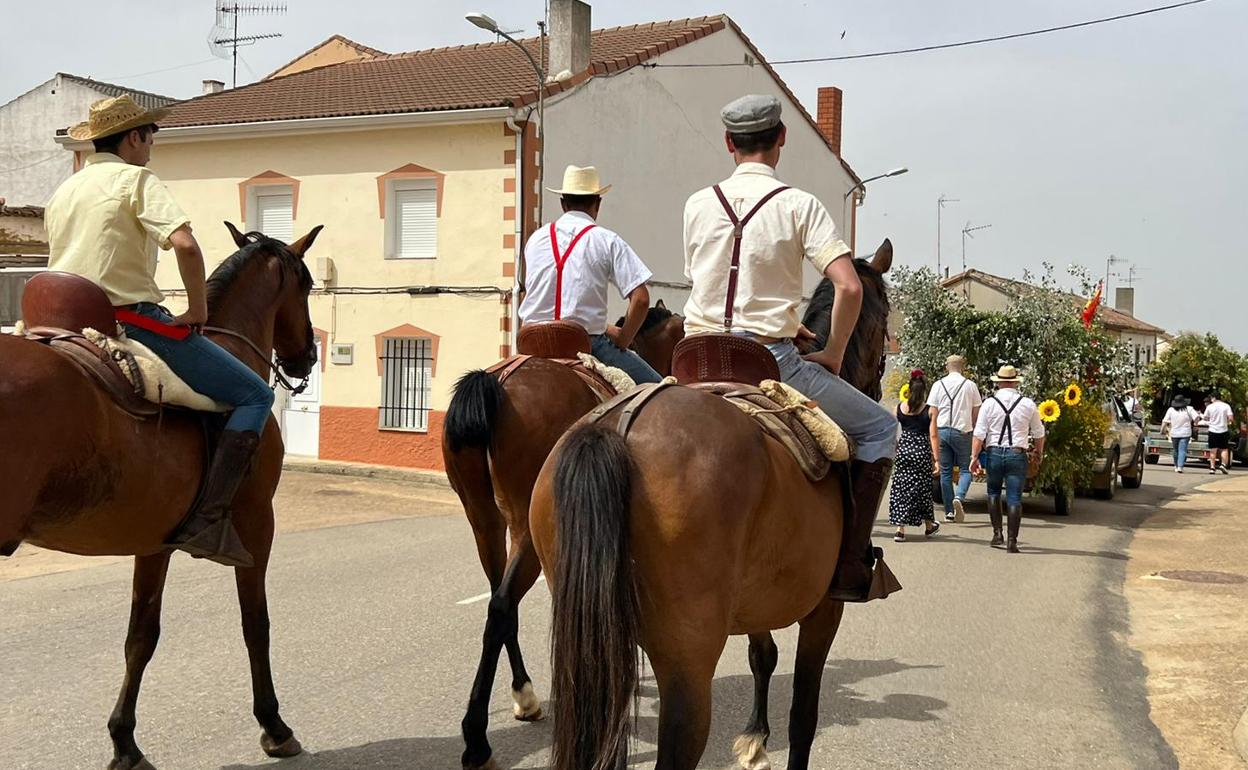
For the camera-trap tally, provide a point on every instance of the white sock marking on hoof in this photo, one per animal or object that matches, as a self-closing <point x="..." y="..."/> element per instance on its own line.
<point x="751" y="752"/>
<point x="528" y="706"/>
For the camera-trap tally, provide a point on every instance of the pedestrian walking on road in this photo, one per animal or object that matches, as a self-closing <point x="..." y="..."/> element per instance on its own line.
<point x="957" y="402"/>
<point x="1178" y="423"/>
<point x="1218" y="416"/>
<point x="1008" y="424"/>
<point x="910" y="499"/>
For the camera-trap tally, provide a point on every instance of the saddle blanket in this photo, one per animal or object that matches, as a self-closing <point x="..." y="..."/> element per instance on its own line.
<point x="151" y="377"/>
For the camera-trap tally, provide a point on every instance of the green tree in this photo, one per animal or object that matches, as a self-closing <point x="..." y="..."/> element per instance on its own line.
<point x="1199" y="363"/>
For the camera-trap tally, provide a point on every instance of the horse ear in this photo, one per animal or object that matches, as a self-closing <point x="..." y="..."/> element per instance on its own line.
<point x="660" y="304"/>
<point x="240" y="240"/>
<point x="883" y="258"/>
<point x="301" y="246"/>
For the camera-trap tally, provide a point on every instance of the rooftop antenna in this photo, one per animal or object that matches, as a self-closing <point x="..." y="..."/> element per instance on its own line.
<point x="224" y="39"/>
<point x="1132" y="273"/>
<point x="966" y="233"/>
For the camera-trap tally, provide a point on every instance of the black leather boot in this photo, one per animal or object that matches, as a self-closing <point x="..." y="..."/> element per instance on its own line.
<point x="207" y="533"/>
<point x="1015" y="514"/>
<point x="994" y="515"/>
<point x="861" y="574"/>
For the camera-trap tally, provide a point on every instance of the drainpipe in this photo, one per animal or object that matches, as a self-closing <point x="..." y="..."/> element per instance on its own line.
<point x="521" y="216"/>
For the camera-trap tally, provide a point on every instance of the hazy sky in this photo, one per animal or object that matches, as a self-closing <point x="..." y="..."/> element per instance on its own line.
<point x="1124" y="138"/>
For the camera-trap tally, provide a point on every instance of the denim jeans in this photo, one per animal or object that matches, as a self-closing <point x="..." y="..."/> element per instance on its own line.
<point x="872" y="427"/>
<point x="1180" y="450"/>
<point x="634" y="365"/>
<point x="210" y="370"/>
<point x="1008" y="466"/>
<point x="955" y="449"/>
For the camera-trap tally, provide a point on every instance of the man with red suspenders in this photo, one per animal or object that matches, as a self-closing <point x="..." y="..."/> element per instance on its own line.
<point x="569" y="264"/>
<point x="745" y="240"/>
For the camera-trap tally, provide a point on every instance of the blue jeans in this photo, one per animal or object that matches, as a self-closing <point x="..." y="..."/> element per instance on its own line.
<point x="210" y="370"/>
<point x="955" y="449"/>
<point x="634" y="365"/>
<point x="872" y="427"/>
<point x="1180" y="450"/>
<point x="1008" y="466"/>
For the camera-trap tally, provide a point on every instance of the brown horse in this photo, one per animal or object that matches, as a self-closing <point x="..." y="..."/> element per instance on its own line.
<point x="83" y="476"/>
<point x="696" y="527"/>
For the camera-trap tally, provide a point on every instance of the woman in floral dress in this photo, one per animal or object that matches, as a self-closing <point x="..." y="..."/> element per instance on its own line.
<point x="910" y="500"/>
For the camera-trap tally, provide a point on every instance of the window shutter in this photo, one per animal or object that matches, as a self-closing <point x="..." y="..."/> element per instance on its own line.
<point x="416" y="223"/>
<point x="275" y="215"/>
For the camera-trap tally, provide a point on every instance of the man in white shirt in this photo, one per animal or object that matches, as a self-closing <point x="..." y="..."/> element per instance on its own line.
<point x="1218" y="416"/>
<point x="745" y="241"/>
<point x="1009" y="423"/>
<point x="957" y="401"/>
<point x="569" y="264"/>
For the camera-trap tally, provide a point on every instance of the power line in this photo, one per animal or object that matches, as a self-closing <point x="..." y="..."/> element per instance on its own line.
<point x="157" y="72"/>
<point x="942" y="46"/>
<point x="54" y="156"/>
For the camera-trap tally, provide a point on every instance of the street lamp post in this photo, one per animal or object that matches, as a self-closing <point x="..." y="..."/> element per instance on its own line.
<point x="863" y="186"/>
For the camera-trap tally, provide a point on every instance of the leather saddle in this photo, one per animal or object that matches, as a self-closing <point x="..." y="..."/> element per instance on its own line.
<point x="559" y="342"/>
<point x="56" y="307"/>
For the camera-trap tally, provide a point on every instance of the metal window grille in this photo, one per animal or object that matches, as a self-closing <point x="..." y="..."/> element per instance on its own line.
<point x="11" y="286"/>
<point x="407" y="373"/>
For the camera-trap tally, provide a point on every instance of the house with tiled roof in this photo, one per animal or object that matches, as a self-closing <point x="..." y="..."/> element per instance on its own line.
<point x="424" y="168"/>
<point x="31" y="163"/>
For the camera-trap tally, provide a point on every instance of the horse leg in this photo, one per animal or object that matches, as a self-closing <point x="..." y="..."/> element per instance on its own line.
<point x="501" y="626"/>
<point x="527" y="707"/>
<point x="813" y="642"/>
<point x="141" y="638"/>
<point x="751" y="745"/>
<point x="684" y="707"/>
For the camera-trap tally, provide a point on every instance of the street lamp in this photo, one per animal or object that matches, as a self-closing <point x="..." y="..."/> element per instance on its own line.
<point x="862" y="186"/>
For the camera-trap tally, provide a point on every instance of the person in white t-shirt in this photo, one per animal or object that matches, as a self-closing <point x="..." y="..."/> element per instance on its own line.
<point x="1218" y="416"/>
<point x="1177" y="424"/>
<point x="1007" y="432"/>
<point x="957" y="401"/>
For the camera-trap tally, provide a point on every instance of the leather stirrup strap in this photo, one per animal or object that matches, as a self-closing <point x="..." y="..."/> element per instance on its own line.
<point x="631" y="403"/>
<point x="560" y="261"/>
<point x="738" y="226"/>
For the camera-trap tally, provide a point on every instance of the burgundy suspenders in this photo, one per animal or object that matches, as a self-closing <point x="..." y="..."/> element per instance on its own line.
<point x="737" y="227"/>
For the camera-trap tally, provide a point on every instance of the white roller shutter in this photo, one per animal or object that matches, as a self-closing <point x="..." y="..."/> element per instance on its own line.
<point x="416" y="223"/>
<point x="275" y="215"/>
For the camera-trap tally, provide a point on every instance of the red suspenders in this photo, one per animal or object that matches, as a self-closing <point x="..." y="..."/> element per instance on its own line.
<point x="560" y="261"/>
<point x="737" y="227"/>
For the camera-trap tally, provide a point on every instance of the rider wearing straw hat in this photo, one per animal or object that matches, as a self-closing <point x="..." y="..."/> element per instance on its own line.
<point x="105" y="224"/>
<point x="569" y="264"/>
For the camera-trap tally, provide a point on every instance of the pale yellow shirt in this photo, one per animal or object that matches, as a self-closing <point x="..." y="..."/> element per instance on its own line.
<point x="790" y="227"/>
<point x="105" y="223"/>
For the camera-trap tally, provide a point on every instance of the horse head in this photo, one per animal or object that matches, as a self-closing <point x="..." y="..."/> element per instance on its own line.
<point x="657" y="337"/>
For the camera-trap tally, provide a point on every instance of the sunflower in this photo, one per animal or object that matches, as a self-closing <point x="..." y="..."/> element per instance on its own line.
<point x="1050" y="411"/>
<point x="1074" y="394"/>
<point x="904" y="393"/>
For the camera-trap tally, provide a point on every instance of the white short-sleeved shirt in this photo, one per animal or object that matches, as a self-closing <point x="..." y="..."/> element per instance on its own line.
<point x="1024" y="420"/>
<point x="600" y="257"/>
<point x="1218" y="416"/>
<point x="790" y="227"/>
<point x="1180" y="421"/>
<point x="955" y="397"/>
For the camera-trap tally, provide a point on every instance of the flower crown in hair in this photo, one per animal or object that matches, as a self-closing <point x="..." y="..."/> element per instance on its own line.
<point x="914" y="373"/>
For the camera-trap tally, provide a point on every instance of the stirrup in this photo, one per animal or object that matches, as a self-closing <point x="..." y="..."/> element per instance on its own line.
<point x="883" y="583"/>
<point x="217" y="542"/>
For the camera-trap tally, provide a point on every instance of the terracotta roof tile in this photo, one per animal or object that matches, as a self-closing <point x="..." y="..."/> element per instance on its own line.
<point x="142" y="98"/>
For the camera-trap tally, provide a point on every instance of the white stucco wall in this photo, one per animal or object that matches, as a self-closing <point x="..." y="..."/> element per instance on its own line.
<point x="31" y="162"/>
<point x="655" y="135"/>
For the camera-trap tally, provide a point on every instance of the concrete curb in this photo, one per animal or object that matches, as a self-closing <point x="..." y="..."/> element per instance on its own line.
<point x="425" y="478"/>
<point x="1240" y="735"/>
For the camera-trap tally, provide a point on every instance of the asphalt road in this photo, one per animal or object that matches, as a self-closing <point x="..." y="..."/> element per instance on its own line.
<point x="985" y="660"/>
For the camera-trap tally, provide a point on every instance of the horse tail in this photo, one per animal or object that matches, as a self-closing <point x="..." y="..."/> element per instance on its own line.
<point x="596" y="614"/>
<point x="470" y="417"/>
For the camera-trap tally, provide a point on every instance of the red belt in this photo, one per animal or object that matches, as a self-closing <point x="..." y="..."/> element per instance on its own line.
<point x="171" y="331"/>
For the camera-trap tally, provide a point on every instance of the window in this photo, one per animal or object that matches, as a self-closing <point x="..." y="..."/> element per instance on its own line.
<point x="273" y="211"/>
<point x="406" y="376"/>
<point x="412" y="227"/>
<point x="12" y="282"/>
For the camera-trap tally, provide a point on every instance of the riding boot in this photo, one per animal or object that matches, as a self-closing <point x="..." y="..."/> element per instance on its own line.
<point x="207" y="533"/>
<point x="1015" y="520"/>
<point x="994" y="515"/>
<point x="861" y="574"/>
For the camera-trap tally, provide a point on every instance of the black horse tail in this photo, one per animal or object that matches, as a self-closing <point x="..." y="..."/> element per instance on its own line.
<point x="596" y="614"/>
<point x="470" y="417"/>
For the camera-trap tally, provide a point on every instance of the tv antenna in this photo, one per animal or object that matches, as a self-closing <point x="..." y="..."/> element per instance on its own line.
<point x="966" y="233"/>
<point x="1132" y="273"/>
<point x="224" y="39"/>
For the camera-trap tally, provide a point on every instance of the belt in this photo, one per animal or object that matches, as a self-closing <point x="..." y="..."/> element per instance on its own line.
<point x="1008" y="449"/>
<point x="171" y="331"/>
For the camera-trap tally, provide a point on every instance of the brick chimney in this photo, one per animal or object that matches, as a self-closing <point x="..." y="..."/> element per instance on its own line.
<point x="569" y="38"/>
<point x="213" y="86"/>
<point x="829" y="116"/>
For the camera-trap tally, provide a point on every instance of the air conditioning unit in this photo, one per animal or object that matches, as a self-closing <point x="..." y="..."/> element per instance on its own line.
<point x="326" y="274"/>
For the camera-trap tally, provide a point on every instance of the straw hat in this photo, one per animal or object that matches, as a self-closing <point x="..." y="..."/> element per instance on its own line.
<point x="1006" y="373"/>
<point x="581" y="180"/>
<point x="114" y="115"/>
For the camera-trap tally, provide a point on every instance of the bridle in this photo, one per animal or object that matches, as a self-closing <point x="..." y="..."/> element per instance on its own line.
<point x="278" y="377"/>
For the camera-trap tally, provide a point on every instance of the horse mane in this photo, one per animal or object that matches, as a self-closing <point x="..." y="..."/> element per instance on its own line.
<point x="874" y="315"/>
<point x="229" y="270"/>
<point x="655" y="316"/>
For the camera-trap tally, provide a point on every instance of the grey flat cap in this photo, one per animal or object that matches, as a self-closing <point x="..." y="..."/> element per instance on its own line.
<point x="751" y="113"/>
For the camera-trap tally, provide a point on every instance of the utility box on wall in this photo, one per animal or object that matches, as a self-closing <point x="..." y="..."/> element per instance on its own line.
<point x="342" y="353"/>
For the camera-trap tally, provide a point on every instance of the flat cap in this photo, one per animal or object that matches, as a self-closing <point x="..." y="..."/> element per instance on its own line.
<point x="751" y="113"/>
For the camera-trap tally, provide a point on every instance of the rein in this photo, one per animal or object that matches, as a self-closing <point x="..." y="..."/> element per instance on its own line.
<point x="278" y="377"/>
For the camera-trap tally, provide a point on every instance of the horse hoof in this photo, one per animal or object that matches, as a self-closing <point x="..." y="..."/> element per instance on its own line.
<point x="751" y="751"/>
<point x="528" y="707"/>
<point x="287" y="748"/>
<point x="142" y="764"/>
<point x="490" y="764"/>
